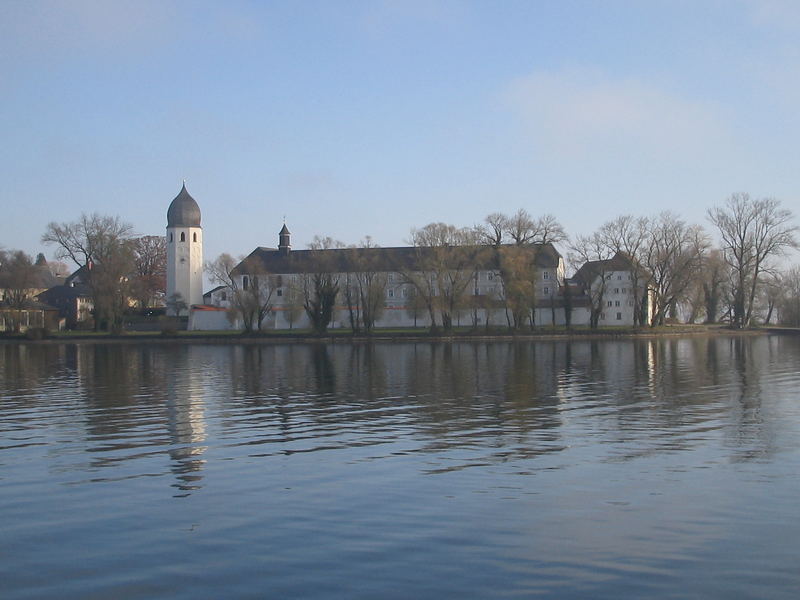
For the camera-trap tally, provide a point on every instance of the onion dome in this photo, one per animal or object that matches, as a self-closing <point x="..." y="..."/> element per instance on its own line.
<point x="183" y="211"/>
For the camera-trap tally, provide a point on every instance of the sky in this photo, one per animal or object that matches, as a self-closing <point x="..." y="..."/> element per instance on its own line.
<point x="351" y="118"/>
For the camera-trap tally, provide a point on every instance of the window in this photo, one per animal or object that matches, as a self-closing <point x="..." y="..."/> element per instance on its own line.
<point x="610" y="303"/>
<point x="170" y="237"/>
<point x="279" y="281"/>
<point x="223" y="296"/>
<point x="619" y="277"/>
<point x="245" y="282"/>
<point x="391" y="293"/>
<point x="183" y="236"/>
<point x="546" y="291"/>
<point x="624" y="290"/>
<point x="391" y="277"/>
<point x="616" y="290"/>
<point x="608" y="277"/>
<point x="546" y="275"/>
<point x="194" y="237"/>
<point x="405" y="292"/>
<point x="619" y="316"/>
<point x="616" y="303"/>
<point x="490" y="276"/>
<point x="280" y="292"/>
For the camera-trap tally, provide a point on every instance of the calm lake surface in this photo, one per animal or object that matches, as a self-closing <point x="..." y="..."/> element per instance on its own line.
<point x="665" y="468"/>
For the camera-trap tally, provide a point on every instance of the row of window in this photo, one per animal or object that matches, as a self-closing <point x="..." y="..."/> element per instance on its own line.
<point x="603" y="316"/>
<point x="183" y="237"/>
<point x="617" y="303"/>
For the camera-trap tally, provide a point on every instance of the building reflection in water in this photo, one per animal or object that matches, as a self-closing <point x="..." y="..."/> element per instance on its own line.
<point x="186" y="424"/>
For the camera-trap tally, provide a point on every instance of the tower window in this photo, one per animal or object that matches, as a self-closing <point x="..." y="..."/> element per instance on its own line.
<point x="194" y="237"/>
<point x="170" y="237"/>
<point x="245" y="282"/>
<point x="183" y="236"/>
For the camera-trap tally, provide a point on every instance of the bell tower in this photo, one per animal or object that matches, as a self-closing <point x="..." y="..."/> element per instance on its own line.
<point x="184" y="253"/>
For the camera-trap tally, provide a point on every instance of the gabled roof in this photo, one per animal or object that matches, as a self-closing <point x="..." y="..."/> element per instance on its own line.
<point x="591" y="269"/>
<point x="216" y="289"/>
<point x="29" y="304"/>
<point x="64" y="292"/>
<point x="344" y="260"/>
<point x="77" y="277"/>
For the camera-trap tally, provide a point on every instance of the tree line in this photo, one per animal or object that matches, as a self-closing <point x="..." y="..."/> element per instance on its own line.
<point x="735" y="280"/>
<point x="119" y="269"/>
<point x="677" y="261"/>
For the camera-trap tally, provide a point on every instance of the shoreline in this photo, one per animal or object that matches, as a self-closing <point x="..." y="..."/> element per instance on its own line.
<point x="399" y="337"/>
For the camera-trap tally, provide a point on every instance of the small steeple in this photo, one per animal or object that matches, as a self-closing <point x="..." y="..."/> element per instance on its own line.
<point x="284" y="246"/>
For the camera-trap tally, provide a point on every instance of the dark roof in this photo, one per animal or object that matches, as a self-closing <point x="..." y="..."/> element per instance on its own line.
<point x="591" y="269"/>
<point x="30" y="305"/>
<point x="284" y="230"/>
<point x="64" y="292"/>
<point x="216" y="289"/>
<point x="77" y="277"/>
<point x="343" y="260"/>
<point x="183" y="211"/>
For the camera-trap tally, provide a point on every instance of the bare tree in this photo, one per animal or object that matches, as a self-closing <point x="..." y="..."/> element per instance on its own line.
<point x="415" y="304"/>
<point x="771" y="291"/>
<point x="592" y="253"/>
<point x="447" y="259"/>
<point x="251" y="288"/>
<point x="518" y="274"/>
<point x="789" y="302"/>
<point x="292" y="303"/>
<point x="150" y="269"/>
<point x="365" y="286"/>
<point x="320" y="288"/>
<point x="521" y="228"/>
<point x="752" y="232"/>
<point x="18" y="276"/>
<point x="491" y="231"/>
<point x="101" y="244"/>
<point x="673" y="257"/>
<point x="714" y="276"/>
<point x="548" y="230"/>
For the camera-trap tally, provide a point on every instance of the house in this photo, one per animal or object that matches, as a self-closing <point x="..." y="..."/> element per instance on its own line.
<point x="32" y="314"/>
<point x="73" y="302"/>
<point x="409" y="281"/>
<point x="615" y="290"/>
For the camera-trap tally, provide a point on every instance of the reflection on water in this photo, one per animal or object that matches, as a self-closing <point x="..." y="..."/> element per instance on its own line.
<point x="543" y="466"/>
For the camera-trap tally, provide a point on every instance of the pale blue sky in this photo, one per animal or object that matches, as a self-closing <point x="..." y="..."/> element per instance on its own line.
<point x="369" y="118"/>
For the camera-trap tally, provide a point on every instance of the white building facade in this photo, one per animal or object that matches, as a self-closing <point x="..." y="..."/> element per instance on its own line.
<point x="184" y="254"/>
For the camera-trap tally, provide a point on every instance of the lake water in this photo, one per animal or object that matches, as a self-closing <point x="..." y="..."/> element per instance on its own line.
<point x="665" y="468"/>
